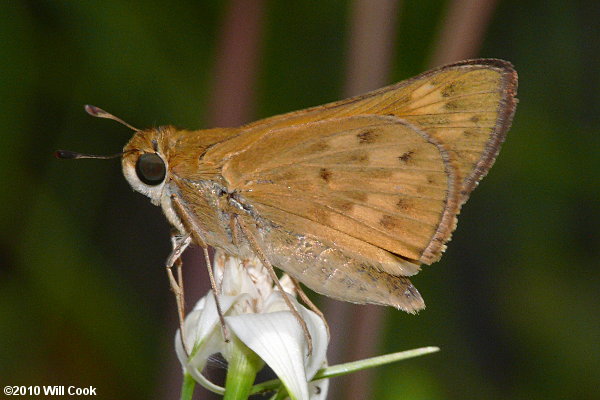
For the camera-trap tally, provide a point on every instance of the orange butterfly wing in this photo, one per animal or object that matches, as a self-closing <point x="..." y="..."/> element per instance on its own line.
<point x="378" y="178"/>
<point x="466" y="108"/>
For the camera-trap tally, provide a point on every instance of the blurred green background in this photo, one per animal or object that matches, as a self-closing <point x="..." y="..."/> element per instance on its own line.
<point x="84" y="300"/>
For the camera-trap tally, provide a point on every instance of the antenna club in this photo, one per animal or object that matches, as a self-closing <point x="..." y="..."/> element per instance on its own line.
<point x="65" y="155"/>
<point x="100" y="113"/>
<point x="93" y="110"/>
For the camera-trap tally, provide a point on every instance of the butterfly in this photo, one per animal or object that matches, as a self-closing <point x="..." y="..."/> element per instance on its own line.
<point x="350" y="198"/>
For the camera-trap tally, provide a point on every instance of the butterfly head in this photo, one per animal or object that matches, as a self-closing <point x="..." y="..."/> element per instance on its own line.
<point x="145" y="163"/>
<point x="144" y="158"/>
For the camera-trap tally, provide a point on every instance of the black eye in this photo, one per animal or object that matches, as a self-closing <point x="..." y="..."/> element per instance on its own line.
<point x="150" y="168"/>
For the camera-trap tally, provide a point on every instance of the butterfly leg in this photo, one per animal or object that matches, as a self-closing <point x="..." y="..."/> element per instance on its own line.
<point x="306" y="300"/>
<point x="216" y="294"/>
<point x="235" y="237"/>
<point x="180" y="243"/>
<point x="267" y="264"/>
<point x="198" y="234"/>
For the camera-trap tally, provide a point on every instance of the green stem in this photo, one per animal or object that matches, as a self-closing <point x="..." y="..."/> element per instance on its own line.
<point x="243" y="366"/>
<point x="347" y="368"/>
<point x="187" y="389"/>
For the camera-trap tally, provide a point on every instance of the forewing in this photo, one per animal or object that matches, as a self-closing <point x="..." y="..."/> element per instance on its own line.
<point x="376" y="179"/>
<point x="467" y="107"/>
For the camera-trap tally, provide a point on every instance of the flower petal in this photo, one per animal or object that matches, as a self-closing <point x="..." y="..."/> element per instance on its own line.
<point x="278" y="339"/>
<point x="316" y="327"/>
<point x="202" y="332"/>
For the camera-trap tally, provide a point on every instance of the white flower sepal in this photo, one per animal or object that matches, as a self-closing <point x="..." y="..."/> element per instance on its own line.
<point x="257" y="315"/>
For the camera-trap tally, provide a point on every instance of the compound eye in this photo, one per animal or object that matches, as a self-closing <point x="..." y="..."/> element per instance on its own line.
<point x="151" y="169"/>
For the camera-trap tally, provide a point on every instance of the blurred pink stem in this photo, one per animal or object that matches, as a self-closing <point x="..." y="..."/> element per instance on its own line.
<point x="237" y="58"/>
<point x="355" y="328"/>
<point x="370" y="54"/>
<point x="463" y="31"/>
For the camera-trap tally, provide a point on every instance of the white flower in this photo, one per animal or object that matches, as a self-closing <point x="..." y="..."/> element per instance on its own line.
<point x="258" y="316"/>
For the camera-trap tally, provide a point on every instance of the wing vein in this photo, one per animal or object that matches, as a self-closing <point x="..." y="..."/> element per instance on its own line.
<point x="436" y="87"/>
<point x="451" y="98"/>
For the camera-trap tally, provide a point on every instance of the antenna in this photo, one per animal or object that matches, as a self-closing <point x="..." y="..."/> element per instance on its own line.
<point x="72" y="155"/>
<point x="100" y="113"/>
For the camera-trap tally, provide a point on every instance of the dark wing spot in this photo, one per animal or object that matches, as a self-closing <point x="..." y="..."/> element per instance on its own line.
<point x="388" y="222"/>
<point x="343" y="205"/>
<point x="314" y="148"/>
<point x="453" y="105"/>
<point x="406" y="156"/>
<point x="325" y="174"/>
<point x="475" y="119"/>
<point x="367" y="136"/>
<point x="449" y="90"/>
<point x="452" y="88"/>
<point x="403" y="204"/>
